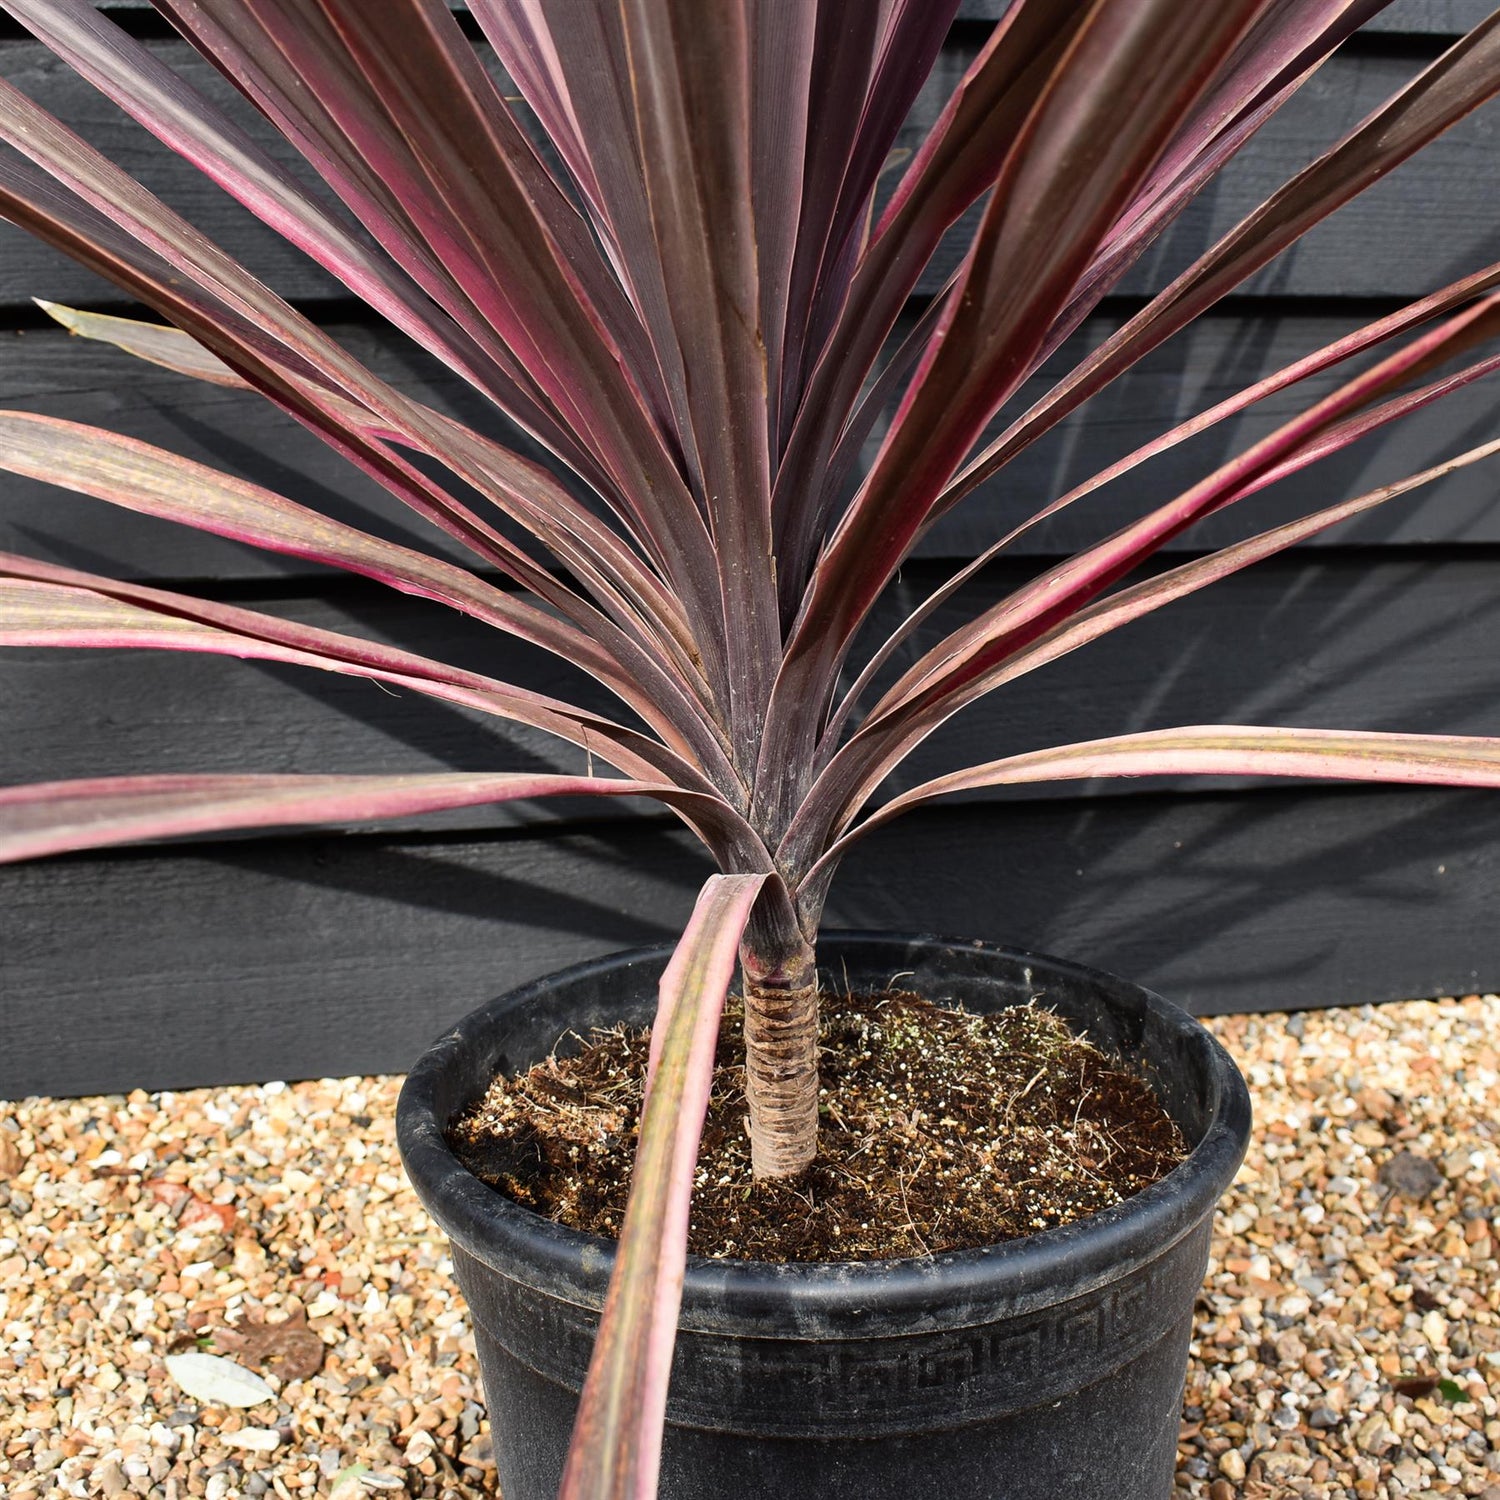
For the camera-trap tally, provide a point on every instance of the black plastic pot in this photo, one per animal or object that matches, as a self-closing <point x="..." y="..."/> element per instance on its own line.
<point x="1052" y="1365"/>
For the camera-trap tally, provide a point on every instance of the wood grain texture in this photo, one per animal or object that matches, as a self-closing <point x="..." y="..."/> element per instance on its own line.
<point x="1329" y="640"/>
<point x="1410" y="232"/>
<point x="47" y="371"/>
<point x="328" y="956"/>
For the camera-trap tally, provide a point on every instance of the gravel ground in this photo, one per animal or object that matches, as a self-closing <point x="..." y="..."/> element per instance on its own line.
<point x="1348" y="1339"/>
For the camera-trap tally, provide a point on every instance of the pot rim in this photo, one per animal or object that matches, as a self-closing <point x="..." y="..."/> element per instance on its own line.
<point x="953" y="1289"/>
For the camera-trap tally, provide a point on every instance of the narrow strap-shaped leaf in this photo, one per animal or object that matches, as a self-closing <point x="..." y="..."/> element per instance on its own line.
<point x="585" y="41"/>
<point x="1130" y="75"/>
<point x="295" y="364"/>
<point x="616" y="577"/>
<point x="1066" y="587"/>
<point x="1099" y="619"/>
<point x="616" y="1448"/>
<point x="782" y="46"/>
<point x="1443" y="93"/>
<point x="58" y="817"/>
<point x="45" y="605"/>
<point x="136" y="79"/>
<point x="1338" y="436"/>
<point x="959" y="667"/>
<point x="509" y="237"/>
<point x="1218" y="750"/>
<point x="1285" y="47"/>
<point x="958" y="161"/>
<point x="153" y="482"/>
<point x="690" y="66"/>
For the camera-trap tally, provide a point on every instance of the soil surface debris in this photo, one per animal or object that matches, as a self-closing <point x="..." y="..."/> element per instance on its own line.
<point x="940" y="1130"/>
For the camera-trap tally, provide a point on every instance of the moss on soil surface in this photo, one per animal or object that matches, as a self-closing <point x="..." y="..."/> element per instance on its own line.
<point x="940" y="1130"/>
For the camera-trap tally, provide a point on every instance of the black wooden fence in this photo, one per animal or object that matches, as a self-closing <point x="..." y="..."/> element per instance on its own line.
<point x="330" y="953"/>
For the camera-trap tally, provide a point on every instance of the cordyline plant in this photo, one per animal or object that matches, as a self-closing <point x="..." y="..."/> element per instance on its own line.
<point x="686" y="302"/>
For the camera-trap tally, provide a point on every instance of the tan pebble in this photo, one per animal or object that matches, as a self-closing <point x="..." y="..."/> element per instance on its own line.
<point x="1221" y="1489"/>
<point x="1231" y="1465"/>
<point x="11" y="1160"/>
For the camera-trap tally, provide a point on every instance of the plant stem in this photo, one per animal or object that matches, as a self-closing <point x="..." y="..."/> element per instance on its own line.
<point x="781" y="1054"/>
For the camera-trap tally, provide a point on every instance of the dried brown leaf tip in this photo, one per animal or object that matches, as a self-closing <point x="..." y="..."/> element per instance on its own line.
<point x="288" y="1348"/>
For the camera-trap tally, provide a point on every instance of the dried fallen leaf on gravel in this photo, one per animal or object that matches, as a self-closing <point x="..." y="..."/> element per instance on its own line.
<point x="11" y="1160"/>
<point x="218" y="1381"/>
<point x="1410" y="1175"/>
<point x="289" y="1349"/>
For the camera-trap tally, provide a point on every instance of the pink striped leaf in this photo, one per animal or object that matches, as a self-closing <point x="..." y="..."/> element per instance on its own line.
<point x="45" y="605"/>
<point x="153" y="482"/>
<point x="1453" y="86"/>
<point x="616" y="1448"/>
<point x="690" y="68"/>
<point x="1132" y="73"/>
<point x="135" y="78"/>
<point x="575" y="535"/>
<point x="1216" y="750"/>
<point x="959" y="160"/>
<point x="58" y="817"/>
<point x="871" y="757"/>
<point x="942" y="679"/>
<point x="1339" y="435"/>
<point x="227" y="310"/>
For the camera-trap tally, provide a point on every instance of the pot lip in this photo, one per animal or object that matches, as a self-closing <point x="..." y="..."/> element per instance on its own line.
<point x="828" y="1299"/>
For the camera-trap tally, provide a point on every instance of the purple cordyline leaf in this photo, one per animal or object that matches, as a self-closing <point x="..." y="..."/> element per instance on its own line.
<point x="526" y="42"/>
<point x="845" y="42"/>
<point x="172" y="349"/>
<point x="233" y="43"/>
<point x="1339" y="436"/>
<point x="907" y="46"/>
<point x="299" y="70"/>
<point x="782" y="40"/>
<point x="59" y="817"/>
<point x="588" y="42"/>
<point x="882" y="389"/>
<point x="959" y="160"/>
<point x="153" y="482"/>
<point x="1455" y="84"/>
<point x="616" y="1448"/>
<point x="1131" y="604"/>
<point x="1217" y="750"/>
<point x="510" y="237"/>
<point x="137" y="80"/>
<point x="959" y="667"/>
<point x="691" y="70"/>
<point x="232" y="314"/>
<point x="1070" y="584"/>
<point x="45" y="605"/>
<point x="1289" y="43"/>
<point x="1131" y="74"/>
<point x="575" y="536"/>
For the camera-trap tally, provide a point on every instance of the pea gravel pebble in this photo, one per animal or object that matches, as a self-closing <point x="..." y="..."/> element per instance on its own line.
<point x="1346" y="1345"/>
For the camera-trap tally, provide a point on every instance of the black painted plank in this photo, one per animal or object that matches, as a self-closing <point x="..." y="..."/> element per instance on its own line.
<point x="1409" y="232"/>
<point x="332" y="956"/>
<point x="50" y="372"/>
<point x="1336" y="640"/>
